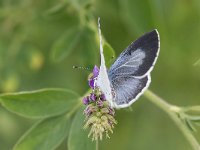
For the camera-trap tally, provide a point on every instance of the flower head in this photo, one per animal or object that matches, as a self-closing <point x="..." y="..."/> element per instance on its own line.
<point x="99" y="115"/>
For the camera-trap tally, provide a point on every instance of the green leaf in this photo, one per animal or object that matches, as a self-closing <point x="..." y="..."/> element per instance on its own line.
<point x="78" y="4"/>
<point x="45" y="135"/>
<point x="194" y="118"/>
<point x="190" y="125"/>
<point x="66" y="44"/>
<point x="192" y="108"/>
<point x="78" y="137"/>
<point x="109" y="54"/>
<point x="56" y="9"/>
<point x="40" y="103"/>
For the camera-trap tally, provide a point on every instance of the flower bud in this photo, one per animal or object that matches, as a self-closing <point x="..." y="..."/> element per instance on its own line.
<point x="102" y="97"/>
<point x="93" y="97"/>
<point x="95" y="71"/>
<point x="86" y="100"/>
<point x="91" y="83"/>
<point x="99" y="103"/>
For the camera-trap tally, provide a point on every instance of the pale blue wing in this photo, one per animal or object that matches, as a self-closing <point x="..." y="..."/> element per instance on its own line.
<point x="129" y="75"/>
<point x="128" y="89"/>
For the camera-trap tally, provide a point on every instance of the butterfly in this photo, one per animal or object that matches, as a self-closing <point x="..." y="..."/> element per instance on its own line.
<point x="129" y="76"/>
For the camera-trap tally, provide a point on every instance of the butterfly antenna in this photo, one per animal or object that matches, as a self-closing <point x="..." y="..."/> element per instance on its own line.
<point x="82" y="68"/>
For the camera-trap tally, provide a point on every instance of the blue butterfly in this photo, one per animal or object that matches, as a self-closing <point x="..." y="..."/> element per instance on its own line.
<point x="129" y="76"/>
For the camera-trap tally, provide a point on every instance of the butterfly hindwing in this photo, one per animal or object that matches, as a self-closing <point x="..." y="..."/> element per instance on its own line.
<point x="128" y="89"/>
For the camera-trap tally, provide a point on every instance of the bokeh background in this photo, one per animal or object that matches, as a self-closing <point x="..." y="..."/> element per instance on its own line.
<point x="40" y="41"/>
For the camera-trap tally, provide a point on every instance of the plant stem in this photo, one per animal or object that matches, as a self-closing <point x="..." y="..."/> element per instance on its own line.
<point x="169" y="109"/>
<point x="97" y="144"/>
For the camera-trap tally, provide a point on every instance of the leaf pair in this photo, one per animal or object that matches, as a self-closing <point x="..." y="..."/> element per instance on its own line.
<point x="190" y="117"/>
<point x="54" y="108"/>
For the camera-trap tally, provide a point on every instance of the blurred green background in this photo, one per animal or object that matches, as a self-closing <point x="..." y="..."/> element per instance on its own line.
<point x="36" y="52"/>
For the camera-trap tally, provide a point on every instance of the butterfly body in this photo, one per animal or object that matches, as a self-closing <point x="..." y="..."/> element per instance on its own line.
<point x="129" y="76"/>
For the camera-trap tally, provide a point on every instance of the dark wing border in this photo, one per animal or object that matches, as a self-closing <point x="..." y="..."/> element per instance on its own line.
<point x="154" y="62"/>
<point x="142" y="42"/>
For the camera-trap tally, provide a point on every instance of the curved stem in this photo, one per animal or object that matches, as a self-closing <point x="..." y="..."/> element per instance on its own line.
<point x="97" y="144"/>
<point x="171" y="111"/>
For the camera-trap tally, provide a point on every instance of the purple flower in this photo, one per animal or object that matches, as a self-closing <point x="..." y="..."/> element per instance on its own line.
<point x="91" y="83"/>
<point x="95" y="71"/>
<point x="93" y="97"/>
<point x="88" y="111"/>
<point x="103" y="97"/>
<point x="99" y="103"/>
<point x="111" y="112"/>
<point x="86" y="100"/>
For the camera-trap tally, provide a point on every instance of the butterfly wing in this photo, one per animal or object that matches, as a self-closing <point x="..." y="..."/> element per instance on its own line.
<point x="102" y="80"/>
<point x="128" y="90"/>
<point x="130" y="73"/>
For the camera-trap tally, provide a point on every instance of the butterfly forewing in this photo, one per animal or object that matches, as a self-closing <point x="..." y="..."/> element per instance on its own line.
<point x="129" y="75"/>
<point x="102" y="80"/>
<point x="138" y="58"/>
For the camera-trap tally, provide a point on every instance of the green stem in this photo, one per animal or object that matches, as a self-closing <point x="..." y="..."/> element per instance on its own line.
<point x="171" y="111"/>
<point x="97" y="144"/>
